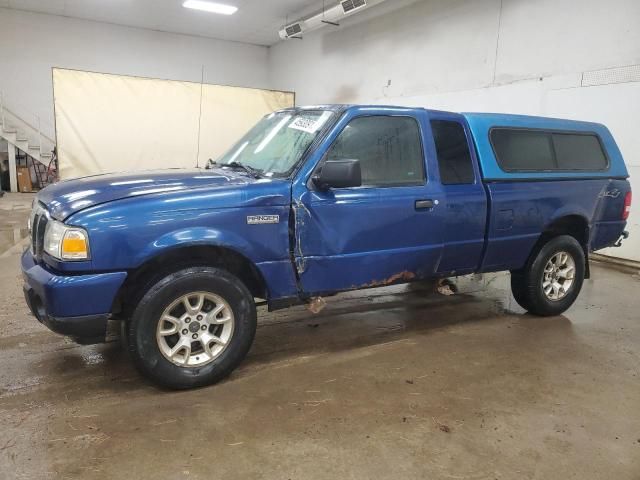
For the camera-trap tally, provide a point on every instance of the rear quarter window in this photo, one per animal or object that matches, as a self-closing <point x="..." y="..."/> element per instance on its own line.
<point x="452" y="148"/>
<point x="545" y="150"/>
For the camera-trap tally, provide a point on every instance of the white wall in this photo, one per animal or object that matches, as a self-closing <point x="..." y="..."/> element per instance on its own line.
<point x="518" y="56"/>
<point x="31" y="44"/>
<point x="515" y="56"/>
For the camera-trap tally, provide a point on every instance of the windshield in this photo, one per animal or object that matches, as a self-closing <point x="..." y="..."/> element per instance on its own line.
<point x="276" y="143"/>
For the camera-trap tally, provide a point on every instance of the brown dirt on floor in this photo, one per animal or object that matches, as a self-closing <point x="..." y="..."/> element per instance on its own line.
<point x="396" y="382"/>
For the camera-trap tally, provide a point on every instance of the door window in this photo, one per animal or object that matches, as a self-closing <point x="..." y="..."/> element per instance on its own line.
<point x="389" y="150"/>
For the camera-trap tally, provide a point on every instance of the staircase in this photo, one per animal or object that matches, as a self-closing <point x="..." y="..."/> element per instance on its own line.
<point x="34" y="148"/>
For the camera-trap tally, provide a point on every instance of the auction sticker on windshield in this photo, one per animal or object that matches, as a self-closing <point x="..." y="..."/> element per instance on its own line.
<point x="310" y="124"/>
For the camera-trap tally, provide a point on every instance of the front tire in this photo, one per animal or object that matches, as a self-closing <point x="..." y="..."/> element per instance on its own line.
<point x="552" y="278"/>
<point x="192" y="328"/>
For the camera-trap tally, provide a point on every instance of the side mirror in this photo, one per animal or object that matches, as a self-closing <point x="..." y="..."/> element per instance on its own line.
<point x="338" y="174"/>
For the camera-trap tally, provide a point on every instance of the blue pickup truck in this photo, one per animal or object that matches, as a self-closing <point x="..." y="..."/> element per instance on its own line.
<point x="314" y="201"/>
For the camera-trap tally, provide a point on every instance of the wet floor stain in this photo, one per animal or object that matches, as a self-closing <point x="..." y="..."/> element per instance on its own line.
<point x="389" y="382"/>
<point x="11" y="237"/>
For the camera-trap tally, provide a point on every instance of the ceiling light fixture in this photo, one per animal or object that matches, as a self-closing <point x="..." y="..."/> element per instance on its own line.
<point x="210" y="7"/>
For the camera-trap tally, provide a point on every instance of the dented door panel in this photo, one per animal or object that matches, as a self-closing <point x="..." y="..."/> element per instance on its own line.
<point x="365" y="237"/>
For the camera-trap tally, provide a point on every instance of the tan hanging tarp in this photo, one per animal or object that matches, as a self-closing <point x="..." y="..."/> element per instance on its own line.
<point x="113" y="123"/>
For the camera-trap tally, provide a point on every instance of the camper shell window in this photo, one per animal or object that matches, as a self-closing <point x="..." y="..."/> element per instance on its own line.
<point x="533" y="150"/>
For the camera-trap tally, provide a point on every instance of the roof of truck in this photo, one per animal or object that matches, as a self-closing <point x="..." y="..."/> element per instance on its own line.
<point x="530" y="121"/>
<point x="481" y="125"/>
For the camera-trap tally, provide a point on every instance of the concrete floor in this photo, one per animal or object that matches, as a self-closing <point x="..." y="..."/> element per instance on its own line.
<point x="387" y="383"/>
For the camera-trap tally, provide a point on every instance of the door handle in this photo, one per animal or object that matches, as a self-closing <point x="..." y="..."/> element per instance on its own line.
<point x="424" y="204"/>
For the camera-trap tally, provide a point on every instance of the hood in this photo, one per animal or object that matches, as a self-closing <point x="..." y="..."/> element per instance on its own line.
<point x="68" y="197"/>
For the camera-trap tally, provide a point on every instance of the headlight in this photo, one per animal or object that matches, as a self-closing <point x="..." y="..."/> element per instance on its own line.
<point x="66" y="243"/>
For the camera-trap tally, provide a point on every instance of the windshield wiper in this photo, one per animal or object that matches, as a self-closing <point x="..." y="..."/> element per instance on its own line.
<point x="254" y="172"/>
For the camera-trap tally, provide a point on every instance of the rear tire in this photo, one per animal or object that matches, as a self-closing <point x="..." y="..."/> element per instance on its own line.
<point x="551" y="281"/>
<point x="192" y="328"/>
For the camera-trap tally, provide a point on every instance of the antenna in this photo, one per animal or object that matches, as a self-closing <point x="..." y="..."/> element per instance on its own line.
<point x="200" y="117"/>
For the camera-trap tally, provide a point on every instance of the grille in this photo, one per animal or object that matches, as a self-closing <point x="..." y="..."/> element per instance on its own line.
<point x="38" y="226"/>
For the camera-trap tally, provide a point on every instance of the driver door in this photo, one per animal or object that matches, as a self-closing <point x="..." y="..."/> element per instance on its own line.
<point x="385" y="231"/>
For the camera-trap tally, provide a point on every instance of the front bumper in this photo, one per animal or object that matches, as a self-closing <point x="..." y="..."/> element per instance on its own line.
<point x="75" y="305"/>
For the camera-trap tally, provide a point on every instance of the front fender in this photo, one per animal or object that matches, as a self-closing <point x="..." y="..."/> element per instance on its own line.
<point x="124" y="238"/>
<point x="195" y="236"/>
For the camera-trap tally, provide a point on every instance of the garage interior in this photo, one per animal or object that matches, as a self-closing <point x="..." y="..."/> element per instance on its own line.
<point x="412" y="381"/>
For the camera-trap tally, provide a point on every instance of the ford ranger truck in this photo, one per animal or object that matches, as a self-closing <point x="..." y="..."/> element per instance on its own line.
<point x="314" y="201"/>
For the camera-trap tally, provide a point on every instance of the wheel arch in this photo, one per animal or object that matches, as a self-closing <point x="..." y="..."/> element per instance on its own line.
<point x="573" y="224"/>
<point x="183" y="256"/>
